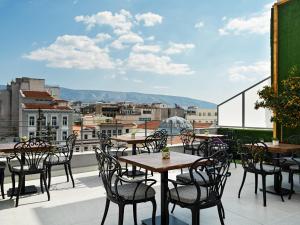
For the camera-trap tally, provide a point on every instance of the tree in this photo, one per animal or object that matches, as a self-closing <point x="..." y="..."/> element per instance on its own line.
<point x="286" y="104"/>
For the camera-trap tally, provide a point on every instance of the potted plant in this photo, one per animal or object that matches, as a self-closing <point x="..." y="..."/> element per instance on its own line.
<point x="206" y="132"/>
<point x="165" y="152"/>
<point x="24" y="139"/>
<point x="275" y="141"/>
<point x="133" y="132"/>
<point x="285" y="104"/>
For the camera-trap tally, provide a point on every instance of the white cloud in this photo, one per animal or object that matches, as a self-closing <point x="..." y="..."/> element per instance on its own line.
<point x="125" y="39"/>
<point x="120" y="22"/>
<point x="251" y="72"/>
<point x="224" y="18"/>
<point x="161" y="87"/>
<point x="146" y="48"/>
<point x="151" y="38"/>
<point x="69" y="51"/>
<point x="199" y="25"/>
<point x="177" y="48"/>
<point x="137" y="81"/>
<point x="102" y="37"/>
<point x="156" y="64"/>
<point x="149" y="19"/>
<point x="258" y="23"/>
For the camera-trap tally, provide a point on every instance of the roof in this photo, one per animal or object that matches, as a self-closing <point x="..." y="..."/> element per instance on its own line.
<point x="202" y="125"/>
<point x="45" y="106"/>
<point x="37" y="95"/>
<point x="152" y="125"/>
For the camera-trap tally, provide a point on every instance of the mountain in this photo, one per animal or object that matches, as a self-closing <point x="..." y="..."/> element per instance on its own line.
<point x="113" y="96"/>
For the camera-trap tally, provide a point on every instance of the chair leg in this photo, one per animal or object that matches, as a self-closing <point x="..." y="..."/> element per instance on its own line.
<point x="105" y="211"/>
<point x="256" y="182"/>
<point x="195" y="217"/>
<point x="2" y="183"/>
<point x="173" y="208"/>
<point x="234" y="162"/>
<point x="243" y="181"/>
<point x="19" y="189"/>
<point x="154" y="211"/>
<point x="45" y="183"/>
<point x="71" y="175"/>
<point x="223" y="211"/>
<point x="220" y="213"/>
<point x="264" y="190"/>
<point x="13" y="181"/>
<point x="292" y="183"/>
<point x="134" y="214"/>
<point x="49" y="176"/>
<point x="121" y="214"/>
<point x="66" y="170"/>
<point x="41" y="183"/>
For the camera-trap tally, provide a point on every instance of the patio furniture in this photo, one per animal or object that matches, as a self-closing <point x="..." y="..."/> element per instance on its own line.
<point x="254" y="158"/>
<point x="155" y="163"/>
<point x="123" y="191"/>
<point x="205" y="189"/>
<point x="292" y="170"/>
<point x="2" y="168"/>
<point x="188" y="140"/>
<point x="62" y="155"/>
<point x="31" y="156"/>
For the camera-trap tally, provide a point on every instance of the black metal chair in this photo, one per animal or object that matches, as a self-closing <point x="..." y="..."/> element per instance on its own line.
<point x="188" y="140"/>
<point x="257" y="160"/>
<point x="292" y="170"/>
<point x="123" y="191"/>
<point x="62" y="156"/>
<point x="205" y="189"/>
<point x="31" y="156"/>
<point x="2" y="168"/>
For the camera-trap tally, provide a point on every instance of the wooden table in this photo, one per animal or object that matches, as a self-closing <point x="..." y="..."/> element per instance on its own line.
<point x="133" y="141"/>
<point x="8" y="148"/>
<point x="155" y="163"/>
<point x="208" y="136"/>
<point x="282" y="148"/>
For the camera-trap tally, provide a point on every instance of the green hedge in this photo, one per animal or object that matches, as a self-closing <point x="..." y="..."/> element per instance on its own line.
<point x="265" y="135"/>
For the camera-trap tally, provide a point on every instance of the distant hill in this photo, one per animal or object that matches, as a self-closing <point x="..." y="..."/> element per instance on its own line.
<point x="114" y="96"/>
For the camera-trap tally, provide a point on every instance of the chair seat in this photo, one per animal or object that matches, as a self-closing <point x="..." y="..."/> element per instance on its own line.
<point x="201" y="178"/>
<point x="28" y="169"/>
<point x="268" y="168"/>
<point x="187" y="194"/>
<point x="295" y="167"/>
<point x="2" y="165"/>
<point x="127" y="191"/>
<point x="54" y="160"/>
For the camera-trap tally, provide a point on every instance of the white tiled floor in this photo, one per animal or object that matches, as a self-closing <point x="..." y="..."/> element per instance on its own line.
<point x="84" y="205"/>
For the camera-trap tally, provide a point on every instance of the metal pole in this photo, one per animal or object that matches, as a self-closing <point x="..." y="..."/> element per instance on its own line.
<point x="145" y="128"/>
<point x="116" y="128"/>
<point x="171" y="131"/>
<point x="193" y="126"/>
<point x="81" y="133"/>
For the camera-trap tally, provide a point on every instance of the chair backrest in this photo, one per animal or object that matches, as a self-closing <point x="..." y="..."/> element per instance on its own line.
<point x="162" y="136"/>
<point x="210" y="174"/>
<point x="69" y="148"/>
<point x="109" y="169"/>
<point x="152" y="144"/>
<point x="215" y="146"/>
<point x="32" y="153"/>
<point x="294" y="139"/>
<point x="253" y="156"/>
<point x="187" y="137"/>
<point x="105" y="141"/>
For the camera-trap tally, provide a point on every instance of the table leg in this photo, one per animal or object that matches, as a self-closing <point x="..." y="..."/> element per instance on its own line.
<point x="134" y="172"/>
<point x="164" y="218"/>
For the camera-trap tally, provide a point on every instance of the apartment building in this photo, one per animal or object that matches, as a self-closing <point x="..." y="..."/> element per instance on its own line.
<point x="201" y="115"/>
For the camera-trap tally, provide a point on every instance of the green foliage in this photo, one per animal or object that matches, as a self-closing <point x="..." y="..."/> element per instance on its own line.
<point x="165" y="149"/>
<point x="265" y="135"/>
<point x="285" y="104"/>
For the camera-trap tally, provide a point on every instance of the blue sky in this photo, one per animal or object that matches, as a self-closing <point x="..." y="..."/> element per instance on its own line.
<point x="208" y="50"/>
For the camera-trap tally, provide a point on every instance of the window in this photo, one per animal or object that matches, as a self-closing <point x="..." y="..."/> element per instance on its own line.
<point x="109" y="133"/>
<point x="86" y="148"/>
<point x="65" y="121"/>
<point x="127" y="131"/>
<point x="54" y="121"/>
<point x="54" y="136"/>
<point x="146" y="111"/>
<point x="94" y="133"/>
<point x="200" y="114"/>
<point x="86" y="136"/>
<point x="94" y="147"/>
<point x="31" y="134"/>
<point x="103" y="131"/>
<point x="77" y="149"/>
<point x="216" y="113"/>
<point x="31" y="121"/>
<point x="64" y="135"/>
<point x="114" y="132"/>
<point x="119" y="132"/>
<point x="209" y="114"/>
<point x="204" y="114"/>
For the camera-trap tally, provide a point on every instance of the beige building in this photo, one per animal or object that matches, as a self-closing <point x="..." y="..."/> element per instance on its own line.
<point x="200" y="115"/>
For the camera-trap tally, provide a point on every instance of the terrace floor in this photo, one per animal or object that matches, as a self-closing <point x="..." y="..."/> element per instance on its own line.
<point x="84" y="205"/>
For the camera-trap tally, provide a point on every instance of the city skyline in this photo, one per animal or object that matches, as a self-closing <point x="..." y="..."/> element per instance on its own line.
<point x="203" y="50"/>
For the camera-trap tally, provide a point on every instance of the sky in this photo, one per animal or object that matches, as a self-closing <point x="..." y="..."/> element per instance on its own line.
<point x="208" y="50"/>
